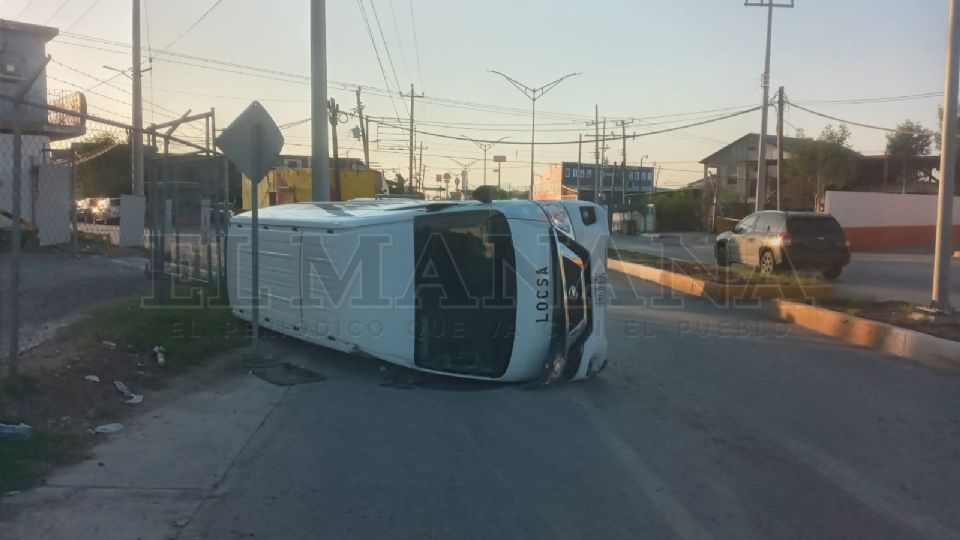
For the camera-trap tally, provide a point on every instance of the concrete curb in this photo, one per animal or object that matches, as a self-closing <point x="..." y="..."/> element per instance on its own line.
<point x="717" y="292"/>
<point x="900" y="342"/>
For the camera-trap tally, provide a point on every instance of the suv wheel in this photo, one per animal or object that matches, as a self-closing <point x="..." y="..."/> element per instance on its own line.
<point x="722" y="258"/>
<point x="832" y="273"/>
<point x="767" y="263"/>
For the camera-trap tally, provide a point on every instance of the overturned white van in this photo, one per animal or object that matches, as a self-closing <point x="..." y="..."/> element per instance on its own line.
<point x="504" y="290"/>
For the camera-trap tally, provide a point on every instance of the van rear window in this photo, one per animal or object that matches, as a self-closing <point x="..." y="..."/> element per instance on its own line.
<point x="466" y="289"/>
<point x="814" y="226"/>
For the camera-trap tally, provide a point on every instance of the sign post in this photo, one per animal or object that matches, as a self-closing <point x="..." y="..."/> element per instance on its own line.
<point x="252" y="142"/>
<point x="500" y="160"/>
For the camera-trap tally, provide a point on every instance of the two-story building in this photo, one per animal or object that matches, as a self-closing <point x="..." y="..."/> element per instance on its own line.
<point x="581" y="180"/>
<point x="44" y="193"/>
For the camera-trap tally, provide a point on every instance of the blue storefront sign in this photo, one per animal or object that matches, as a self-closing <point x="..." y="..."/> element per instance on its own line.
<point x="638" y="178"/>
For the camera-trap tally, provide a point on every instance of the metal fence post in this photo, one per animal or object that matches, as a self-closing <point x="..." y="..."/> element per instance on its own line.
<point x="15" y="231"/>
<point x="75" y="240"/>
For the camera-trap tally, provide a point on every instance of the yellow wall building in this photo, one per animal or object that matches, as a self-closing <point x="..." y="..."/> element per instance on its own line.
<point x="285" y="185"/>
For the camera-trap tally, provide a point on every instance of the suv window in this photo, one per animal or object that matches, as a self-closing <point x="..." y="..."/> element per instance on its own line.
<point x="769" y="223"/>
<point x="746" y="225"/>
<point x="825" y="226"/>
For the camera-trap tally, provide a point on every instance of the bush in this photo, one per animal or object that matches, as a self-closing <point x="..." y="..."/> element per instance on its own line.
<point x="679" y="211"/>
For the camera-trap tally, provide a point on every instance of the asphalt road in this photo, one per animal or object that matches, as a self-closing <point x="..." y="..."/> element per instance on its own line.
<point x="709" y="423"/>
<point x="885" y="276"/>
<point x="56" y="288"/>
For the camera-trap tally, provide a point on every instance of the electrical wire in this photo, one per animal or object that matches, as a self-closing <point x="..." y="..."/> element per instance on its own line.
<point x="376" y="52"/>
<point x="56" y="12"/>
<point x="396" y="30"/>
<point x="603" y="139"/>
<point x="194" y="25"/>
<point x="82" y="15"/>
<point x="386" y="48"/>
<point x="416" y="43"/>
<point x="22" y="11"/>
<point x="861" y="124"/>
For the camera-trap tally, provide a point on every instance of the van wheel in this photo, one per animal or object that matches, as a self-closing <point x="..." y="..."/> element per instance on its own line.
<point x="768" y="264"/>
<point x="722" y="258"/>
<point x="832" y="273"/>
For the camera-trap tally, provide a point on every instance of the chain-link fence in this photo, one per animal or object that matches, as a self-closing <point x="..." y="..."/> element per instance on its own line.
<point x="74" y="235"/>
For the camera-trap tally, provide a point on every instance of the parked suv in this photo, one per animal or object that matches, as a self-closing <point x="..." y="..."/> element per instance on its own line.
<point x="799" y="240"/>
<point x="107" y="211"/>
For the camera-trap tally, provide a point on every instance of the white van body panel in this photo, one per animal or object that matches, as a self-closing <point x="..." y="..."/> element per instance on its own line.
<point x="341" y="275"/>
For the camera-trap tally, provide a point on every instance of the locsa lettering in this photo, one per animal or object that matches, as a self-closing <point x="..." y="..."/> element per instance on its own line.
<point x="543" y="293"/>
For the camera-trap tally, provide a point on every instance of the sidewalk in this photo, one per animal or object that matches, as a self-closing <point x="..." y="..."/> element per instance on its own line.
<point x="148" y="480"/>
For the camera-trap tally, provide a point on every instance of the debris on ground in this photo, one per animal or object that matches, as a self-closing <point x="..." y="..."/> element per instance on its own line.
<point x="159" y="351"/>
<point x="92" y="378"/>
<point x="108" y="428"/>
<point x="19" y="432"/>
<point x="132" y="399"/>
<point x="109" y="344"/>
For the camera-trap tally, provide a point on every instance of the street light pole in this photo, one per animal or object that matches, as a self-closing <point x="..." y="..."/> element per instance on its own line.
<point x="764" y="116"/>
<point x="534" y="94"/>
<point x="485" y="147"/>
<point x="948" y="164"/>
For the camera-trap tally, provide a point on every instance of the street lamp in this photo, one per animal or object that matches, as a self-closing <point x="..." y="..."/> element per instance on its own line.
<point x="534" y="94"/>
<point x="485" y="147"/>
<point x="465" y="173"/>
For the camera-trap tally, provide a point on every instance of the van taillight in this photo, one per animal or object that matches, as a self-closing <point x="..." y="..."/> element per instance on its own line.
<point x="785" y="239"/>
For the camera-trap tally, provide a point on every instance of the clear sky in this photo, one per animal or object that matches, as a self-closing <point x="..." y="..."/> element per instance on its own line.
<point x="639" y="59"/>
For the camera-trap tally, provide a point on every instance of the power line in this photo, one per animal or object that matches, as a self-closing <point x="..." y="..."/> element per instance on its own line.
<point x="194" y="25"/>
<point x="602" y="139"/>
<point x="860" y="101"/>
<point x="861" y="124"/>
<point x="386" y="48"/>
<point x="82" y="15"/>
<point x="416" y="43"/>
<point x="376" y="52"/>
<point x="396" y="30"/>
<point x="56" y="12"/>
<point x="22" y="11"/>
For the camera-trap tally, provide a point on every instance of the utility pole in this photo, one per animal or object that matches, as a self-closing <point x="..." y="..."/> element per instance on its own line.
<point x="596" y="153"/>
<point x="579" y="161"/>
<point x="948" y="169"/>
<point x="413" y="96"/>
<point x="422" y="170"/>
<point x="320" y="163"/>
<point x="623" y="126"/>
<point x="603" y="159"/>
<point x="533" y="94"/>
<point x="765" y="105"/>
<point x="137" y="114"/>
<point x="780" y="100"/>
<point x="364" y="136"/>
<point x="334" y="120"/>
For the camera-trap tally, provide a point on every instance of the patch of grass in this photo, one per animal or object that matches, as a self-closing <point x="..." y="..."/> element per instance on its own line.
<point x="23" y="463"/>
<point x="19" y="386"/>
<point x="733" y="275"/>
<point x="196" y="325"/>
<point x="891" y="310"/>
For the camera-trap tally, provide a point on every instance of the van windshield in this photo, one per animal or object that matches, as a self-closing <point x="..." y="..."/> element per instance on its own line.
<point x="466" y="288"/>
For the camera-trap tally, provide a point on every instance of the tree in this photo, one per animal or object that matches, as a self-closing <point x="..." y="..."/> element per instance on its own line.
<point x="938" y="140"/>
<point x="105" y="171"/>
<point x="397" y="185"/>
<point x="817" y="165"/>
<point x="910" y="140"/>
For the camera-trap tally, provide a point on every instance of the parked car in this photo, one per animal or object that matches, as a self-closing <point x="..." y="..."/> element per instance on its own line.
<point x="85" y="209"/>
<point x="771" y="240"/>
<point x="107" y="211"/>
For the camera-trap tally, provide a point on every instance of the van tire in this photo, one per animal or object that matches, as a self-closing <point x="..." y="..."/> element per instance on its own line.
<point x="832" y="273"/>
<point x="768" y="264"/>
